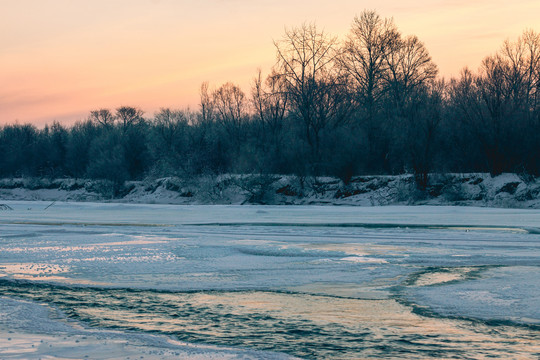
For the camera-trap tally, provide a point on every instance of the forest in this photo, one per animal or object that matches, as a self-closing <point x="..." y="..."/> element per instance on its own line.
<point x="370" y="103"/>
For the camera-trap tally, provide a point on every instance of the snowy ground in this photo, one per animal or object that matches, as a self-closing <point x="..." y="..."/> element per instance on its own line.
<point x="505" y="191"/>
<point x="261" y="282"/>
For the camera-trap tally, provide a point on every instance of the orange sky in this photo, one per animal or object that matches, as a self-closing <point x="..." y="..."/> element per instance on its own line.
<point x="59" y="59"/>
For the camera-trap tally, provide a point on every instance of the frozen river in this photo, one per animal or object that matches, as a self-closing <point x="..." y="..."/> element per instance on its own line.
<point x="265" y="282"/>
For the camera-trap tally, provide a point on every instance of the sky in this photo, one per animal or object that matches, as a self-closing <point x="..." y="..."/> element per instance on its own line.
<point x="59" y="59"/>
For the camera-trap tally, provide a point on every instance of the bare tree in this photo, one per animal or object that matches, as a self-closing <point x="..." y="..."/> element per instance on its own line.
<point x="495" y="88"/>
<point x="409" y="77"/>
<point x="207" y="104"/>
<point x="270" y="100"/>
<point x="306" y="65"/>
<point x="531" y="40"/>
<point x="170" y="140"/>
<point x="522" y="59"/>
<point x="464" y="96"/>
<point x="103" y="117"/>
<point x="231" y="107"/>
<point x="364" y="54"/>
<point x="508" y="85"/>
<point x="169" y="124"/>
<point x="409" y="68"/>
<point x="424" y="131"/>
<point x="128" y="116"/>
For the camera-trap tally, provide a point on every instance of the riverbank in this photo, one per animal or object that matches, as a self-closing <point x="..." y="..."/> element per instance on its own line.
<point x="506" y="190"/>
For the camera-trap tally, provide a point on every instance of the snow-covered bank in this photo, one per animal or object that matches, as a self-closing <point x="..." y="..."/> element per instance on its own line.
<point x="506" y="190"/>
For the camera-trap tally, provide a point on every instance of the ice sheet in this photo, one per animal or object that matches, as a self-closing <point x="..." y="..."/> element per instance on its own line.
<point x="251" y="270"/>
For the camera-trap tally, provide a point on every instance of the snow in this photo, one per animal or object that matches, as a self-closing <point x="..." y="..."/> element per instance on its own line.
<point x="239" y="276"/>
<point x="505" y="190"/>
<point x="151" y="215"/>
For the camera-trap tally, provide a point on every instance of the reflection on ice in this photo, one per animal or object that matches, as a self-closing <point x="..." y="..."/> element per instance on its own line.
<point x="32" y="269"/>
<point x="28" y="332"/>
<point x="310" y="326"/>
<point x="363" y="259"/>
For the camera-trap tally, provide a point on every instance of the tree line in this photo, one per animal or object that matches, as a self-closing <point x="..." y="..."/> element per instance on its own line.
<point x="371" y="103"/>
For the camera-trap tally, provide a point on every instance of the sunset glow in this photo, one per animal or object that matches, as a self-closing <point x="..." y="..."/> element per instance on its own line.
<point x="59" y="59"/>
